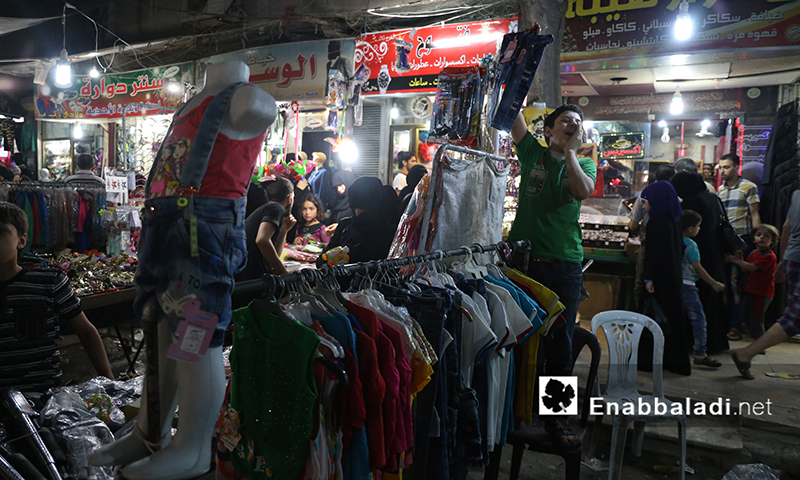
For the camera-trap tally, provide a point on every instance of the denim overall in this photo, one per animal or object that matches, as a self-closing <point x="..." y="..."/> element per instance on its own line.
<point x="517" y="78"/>
<point x="192" y="246"/>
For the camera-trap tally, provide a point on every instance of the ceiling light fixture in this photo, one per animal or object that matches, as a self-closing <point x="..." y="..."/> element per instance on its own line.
<point x="683" y="24"/>
<point x="77" y="132"/>
<point x="395" y="112"/>
<point x="676" y="106"/>
<point x="63" y="68"/>
<point x="662" y="124"/>
<point x="94" y="73"/>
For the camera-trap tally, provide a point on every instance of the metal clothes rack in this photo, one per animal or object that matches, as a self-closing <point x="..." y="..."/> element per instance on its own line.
<point x="75" y="185"/>
<point x="426" y="218"/>
<point x="271" y="283"/>
<point x="147" y="106"/>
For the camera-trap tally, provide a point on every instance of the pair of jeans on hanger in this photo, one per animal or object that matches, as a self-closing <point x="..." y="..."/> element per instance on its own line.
<point x="520" y="56"/>
<point x="192" y="246"/>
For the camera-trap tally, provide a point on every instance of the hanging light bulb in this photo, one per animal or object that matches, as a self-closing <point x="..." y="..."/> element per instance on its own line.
<point x="94" y="73"/>
<point x="705" y="124"/>
<point x="63" y="70"/>
<point x="662" y="124"/>
<point x="683" y="24"/>
<point x="173" y="86"/>
<point x="77" y="132"/>
<point x="395" y="112"/>
<point x="348" y="151"/>
<point x="676" y="107"/>
<point x="665" y="135"/>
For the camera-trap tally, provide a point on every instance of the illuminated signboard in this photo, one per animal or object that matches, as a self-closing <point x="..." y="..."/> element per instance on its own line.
<point x="616" y="146"/>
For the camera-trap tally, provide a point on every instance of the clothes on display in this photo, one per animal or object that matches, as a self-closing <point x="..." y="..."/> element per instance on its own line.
<point x="781" y="171"/>
<point x="457" y="108"/>
<point x="413" y="377"/>
<point x="520" y="55"/>
<point x="59" y="214"/>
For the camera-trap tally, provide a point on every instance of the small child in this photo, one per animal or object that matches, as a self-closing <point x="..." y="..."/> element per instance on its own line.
<point x="692" y="271"/>
<point x="760" y="287"/>
<point x="311" y="225"/>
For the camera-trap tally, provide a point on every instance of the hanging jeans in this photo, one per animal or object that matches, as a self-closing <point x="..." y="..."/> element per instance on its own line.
<point x="516" y="70"/>
<point x="192" y="246"/>
<point x="429" y="308"/>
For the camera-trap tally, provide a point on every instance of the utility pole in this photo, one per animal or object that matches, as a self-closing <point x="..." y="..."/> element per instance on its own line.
<point x="551" y="16"/>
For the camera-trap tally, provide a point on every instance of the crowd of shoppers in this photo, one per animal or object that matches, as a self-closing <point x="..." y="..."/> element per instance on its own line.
<point x="684" y="265"/>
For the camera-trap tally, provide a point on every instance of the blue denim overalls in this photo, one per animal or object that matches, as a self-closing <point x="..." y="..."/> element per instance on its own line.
<point x="192" y="246"/>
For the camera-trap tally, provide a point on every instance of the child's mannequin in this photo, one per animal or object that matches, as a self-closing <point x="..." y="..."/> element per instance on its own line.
<point x="199" y="386"/>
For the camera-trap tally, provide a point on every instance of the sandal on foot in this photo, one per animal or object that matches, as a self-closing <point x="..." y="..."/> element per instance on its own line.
<point x="560" y="434"/>
<point x="743" y="367"/>
<point x="707" y="361"/>
<point x="734" y="335"/>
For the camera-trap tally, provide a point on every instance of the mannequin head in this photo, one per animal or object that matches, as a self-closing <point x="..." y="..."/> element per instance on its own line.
<point x="223" y="74"/>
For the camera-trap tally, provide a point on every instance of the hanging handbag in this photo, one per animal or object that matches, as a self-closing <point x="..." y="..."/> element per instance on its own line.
<point x="729" y="240"/>
<point x="653" y="310"/>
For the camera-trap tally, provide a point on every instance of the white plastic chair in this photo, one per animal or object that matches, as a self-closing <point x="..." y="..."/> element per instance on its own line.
<point x="622" y="331"/>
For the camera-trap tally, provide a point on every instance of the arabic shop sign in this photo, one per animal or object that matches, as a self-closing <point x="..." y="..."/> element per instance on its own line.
<point x="411" y="60"/>
<point x="294" y="71"/>
<point x="617" y="146"/>
<point x="604" y="28"/>
<point x="109" y="95"/>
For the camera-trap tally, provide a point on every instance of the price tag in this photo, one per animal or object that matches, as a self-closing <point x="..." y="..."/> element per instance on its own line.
<point x="116" y="184"/>
<point x="194" y="333"/>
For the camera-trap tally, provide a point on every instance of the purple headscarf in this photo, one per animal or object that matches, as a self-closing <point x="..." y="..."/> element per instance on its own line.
<point x="663" y="199"/>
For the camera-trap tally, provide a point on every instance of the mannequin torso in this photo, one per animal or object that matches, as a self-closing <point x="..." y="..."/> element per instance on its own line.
<point x="252" y="110"/>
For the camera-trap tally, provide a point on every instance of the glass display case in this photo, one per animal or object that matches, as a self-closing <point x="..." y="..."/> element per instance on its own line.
<point x="58" y="158"/>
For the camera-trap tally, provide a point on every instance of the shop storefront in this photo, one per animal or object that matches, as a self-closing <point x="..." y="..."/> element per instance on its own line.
<point x="86" y="116"/>
<point x="402" y="69"/>
<point x="309" y="82"/>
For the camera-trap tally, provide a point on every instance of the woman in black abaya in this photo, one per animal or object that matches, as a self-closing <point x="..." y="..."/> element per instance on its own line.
<point x="692" y="189"/>
<point x="662" y="272"/>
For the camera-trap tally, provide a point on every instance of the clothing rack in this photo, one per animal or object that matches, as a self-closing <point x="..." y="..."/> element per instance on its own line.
<point x="270" y="283"/>
<point x="426" y="218"/>
<point x="76" y="185"/>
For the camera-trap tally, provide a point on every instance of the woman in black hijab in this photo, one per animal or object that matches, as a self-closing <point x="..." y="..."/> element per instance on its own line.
<point x="414" y="176"/>
<point x="663" y="255"/>
<point x="370" y="232"/>
<point x="692" y="189"/>
<point x="340" y="205"/>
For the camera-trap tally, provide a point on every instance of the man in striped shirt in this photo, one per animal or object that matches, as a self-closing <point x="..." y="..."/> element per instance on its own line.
<point x="740" y="198"/>
<point x="33" y="304"/>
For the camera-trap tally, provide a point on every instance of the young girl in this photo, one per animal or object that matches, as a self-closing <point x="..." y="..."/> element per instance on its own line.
<point x="311" y="224"/>
<point x="760" y="287"/>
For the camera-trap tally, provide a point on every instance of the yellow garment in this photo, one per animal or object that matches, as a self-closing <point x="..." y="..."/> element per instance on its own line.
<point x="421" y="372"/>
<point x="547" y="299"/>
<point x="534" y="119"/>
<point x="524" y="394"/>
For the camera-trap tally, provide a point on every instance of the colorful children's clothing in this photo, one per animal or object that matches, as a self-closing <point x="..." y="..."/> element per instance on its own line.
<point x="759" y="290"/>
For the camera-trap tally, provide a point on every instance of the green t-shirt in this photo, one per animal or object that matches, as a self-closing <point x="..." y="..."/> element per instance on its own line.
<point x="547" y="215"/>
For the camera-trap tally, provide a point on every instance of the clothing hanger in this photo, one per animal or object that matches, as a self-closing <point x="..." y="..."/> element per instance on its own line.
<point x="334" y="367"/>
<point x="480" y="268"/>
<point x="329" y="296"/>
<point x="272" y="307"/>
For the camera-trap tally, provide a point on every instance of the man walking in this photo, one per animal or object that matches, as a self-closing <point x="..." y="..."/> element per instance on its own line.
<point x="740" y="199"/>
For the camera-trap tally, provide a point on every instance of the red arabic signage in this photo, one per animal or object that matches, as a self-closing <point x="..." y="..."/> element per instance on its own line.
<point x="109" y="95"/>
<point x="410" y="60"/>
<point x="601" y="28"/>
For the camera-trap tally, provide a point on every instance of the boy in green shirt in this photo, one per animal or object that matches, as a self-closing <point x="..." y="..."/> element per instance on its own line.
<point x="553" y="182"/>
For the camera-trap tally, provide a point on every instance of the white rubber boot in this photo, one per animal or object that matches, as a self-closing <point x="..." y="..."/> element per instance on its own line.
<point x="132" y="447"/>
<point x="201" y="391"/>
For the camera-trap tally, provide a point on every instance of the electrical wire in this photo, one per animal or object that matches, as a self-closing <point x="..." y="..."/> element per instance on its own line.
<point x="135" y="54"/>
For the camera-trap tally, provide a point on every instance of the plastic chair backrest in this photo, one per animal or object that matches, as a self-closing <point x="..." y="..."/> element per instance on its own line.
<point x="623" y="330"/>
